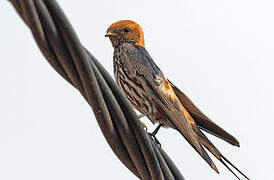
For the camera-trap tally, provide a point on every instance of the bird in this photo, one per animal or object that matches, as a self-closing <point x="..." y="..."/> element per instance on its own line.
<point x="152" y="94"/>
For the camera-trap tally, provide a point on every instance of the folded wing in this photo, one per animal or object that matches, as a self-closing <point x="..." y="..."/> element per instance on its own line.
<point x="203" y="121"/>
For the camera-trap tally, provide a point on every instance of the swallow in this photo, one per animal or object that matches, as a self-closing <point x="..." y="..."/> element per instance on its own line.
<point x="156" y="97"/>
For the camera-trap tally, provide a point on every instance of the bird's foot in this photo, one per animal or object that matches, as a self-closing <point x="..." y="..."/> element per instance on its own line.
<point x="156" y="141"/>
<point x="144" y="126"/>
<point x="153" y="135"/>
<point x="144" y="114"/>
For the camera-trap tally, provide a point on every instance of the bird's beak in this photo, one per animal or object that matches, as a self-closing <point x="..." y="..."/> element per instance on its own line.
<point x="108" y="34"/>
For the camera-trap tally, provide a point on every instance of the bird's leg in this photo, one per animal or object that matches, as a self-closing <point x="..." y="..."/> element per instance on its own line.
<point x="156" y="130"/>
<point x="145" y="114"/>
<point x="143" y="125"/>
<point x="149" y="112"/>
<point x="153" y="135"/>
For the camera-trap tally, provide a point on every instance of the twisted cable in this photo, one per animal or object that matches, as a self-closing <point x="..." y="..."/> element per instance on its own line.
<point x="116" y="118"/>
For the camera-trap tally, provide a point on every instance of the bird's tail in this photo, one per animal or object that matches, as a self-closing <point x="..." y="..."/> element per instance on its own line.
<point x="210" y="147"/>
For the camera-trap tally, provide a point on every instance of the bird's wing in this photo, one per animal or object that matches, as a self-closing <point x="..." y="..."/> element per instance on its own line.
<point x="202" y="120"/>
<point x="137" y="59"/>
<point x="210" y="147"/>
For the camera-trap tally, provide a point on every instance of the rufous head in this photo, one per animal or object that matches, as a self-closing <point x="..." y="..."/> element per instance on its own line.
<point x="125" y="31"/>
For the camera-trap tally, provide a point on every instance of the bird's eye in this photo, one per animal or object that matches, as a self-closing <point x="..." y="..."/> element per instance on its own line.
<point x="126" y="30"/>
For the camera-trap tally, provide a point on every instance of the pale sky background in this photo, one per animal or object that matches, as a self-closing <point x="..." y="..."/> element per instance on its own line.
<point x="219" y="52"/>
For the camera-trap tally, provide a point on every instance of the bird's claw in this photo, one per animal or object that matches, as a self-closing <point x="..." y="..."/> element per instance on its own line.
<point x="139" y="116"/>
<point x="143" y="125"/>
<point x="144" y="114"/>
<point x="156" y="141"/>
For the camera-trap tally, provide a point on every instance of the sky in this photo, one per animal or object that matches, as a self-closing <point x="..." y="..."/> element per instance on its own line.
<point x="220" y="53"/>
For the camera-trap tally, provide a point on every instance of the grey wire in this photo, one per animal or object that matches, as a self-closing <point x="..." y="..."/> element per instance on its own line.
<point x="117" y="120"/>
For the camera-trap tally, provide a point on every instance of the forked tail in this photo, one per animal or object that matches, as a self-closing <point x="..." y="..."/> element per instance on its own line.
<point x="210" y="147"/>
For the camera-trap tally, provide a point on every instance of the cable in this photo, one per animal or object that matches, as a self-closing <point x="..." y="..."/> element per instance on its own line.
<point x="116" y="118"/>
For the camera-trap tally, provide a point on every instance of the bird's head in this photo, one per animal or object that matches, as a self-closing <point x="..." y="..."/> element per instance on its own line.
<point x="125" y="31"/>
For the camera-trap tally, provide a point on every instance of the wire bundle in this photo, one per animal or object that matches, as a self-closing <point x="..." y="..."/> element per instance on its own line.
<point x="114" y="114"/>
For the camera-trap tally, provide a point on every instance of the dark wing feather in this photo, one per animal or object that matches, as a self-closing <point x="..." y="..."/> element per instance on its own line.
<point x="203" y="121"/>
<point x="137" y="59"/>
